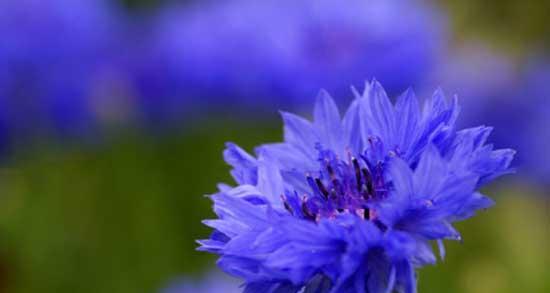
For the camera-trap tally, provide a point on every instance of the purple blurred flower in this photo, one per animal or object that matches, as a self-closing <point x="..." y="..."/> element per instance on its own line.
<point x="533" y="99"/>
<point x="352" y="204"/>
<point x="212" y="283"/>
<point x="516" y="103"/>
<point x="260" y="54"/>
<point x="49" y="53"/>
<point x="480" y="77"/>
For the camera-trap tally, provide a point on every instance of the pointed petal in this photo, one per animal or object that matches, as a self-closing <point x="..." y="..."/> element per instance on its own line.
<point x="391" y="280"/>
<point x="441" y="247"/>
<point x="270" y="180"/>
<point x="244" y="165"/>
<point x="352" y="128"/>
<point x="327" y="121"/>
<point x="429" y="175"/>
<point x="409" y="278"/>
<point x="382" y="113"/>
<point x="407" y="119"/>
<point x="300" y="133"/>
<point x="402" y="178"/>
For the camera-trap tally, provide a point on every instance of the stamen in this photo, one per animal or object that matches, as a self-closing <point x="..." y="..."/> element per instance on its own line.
<point x="370" y="184"/>
<point x="380" y="225"/>
<point x="311" y="184"/>
<point x="306" y="211"/>
<point x="357" y="173"/>
<point x="341" y="192"/>
<point x="321" y="187"/>
<point x="336" y="185"/>
<point x="331" y="171"/>
<point x="286" y="204"/>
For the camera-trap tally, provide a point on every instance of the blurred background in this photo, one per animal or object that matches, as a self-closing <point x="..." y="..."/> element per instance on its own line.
<point x="114" y="114"/>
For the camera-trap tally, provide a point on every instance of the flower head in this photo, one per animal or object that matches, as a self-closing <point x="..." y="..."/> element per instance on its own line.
<point x="352" y="204"/>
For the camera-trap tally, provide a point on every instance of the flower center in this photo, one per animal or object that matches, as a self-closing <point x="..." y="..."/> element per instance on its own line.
<point x="341" y="186"/>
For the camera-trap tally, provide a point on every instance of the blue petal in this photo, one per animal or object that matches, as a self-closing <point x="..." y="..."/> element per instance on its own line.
<point x="247" y="192"/>
<point x="402" y="179"/>
<point x="435" y="110"/>
<point x="468" y="154"/>
<point x="301" y="134"/>
<point x="437" y="123"/>
<point x="244" y="165"/>
<point x="235" y="215"/>
<point x="423" y="254"/>
<point x="441" y="247"/>
<point x="406" y="277"/>
<point x="435" y="230"/>
<point x="382" y="113"/>
<point x="270" y="180"/>
<point x="391" y="280"/>
<point x="407" y="119"/>
<point x="474" y="203"/>
<point x="237" y="266"/>
<point x="288" y="157"/>
<point x="327" y="121"/>
<point x="377" y="115"/>
<point x="429" y="173"/>
<point x="352" y="128"/>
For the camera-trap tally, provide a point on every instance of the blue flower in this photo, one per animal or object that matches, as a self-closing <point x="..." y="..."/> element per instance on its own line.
<point x="248" y="55"/>
<point x="51" y="51"/>
<point x="352" y="204"/>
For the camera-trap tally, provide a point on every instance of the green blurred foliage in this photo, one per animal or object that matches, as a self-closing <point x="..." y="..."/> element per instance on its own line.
<point x="121" y="217"/>
<point x="517" y="26"/>
<point x="504" y="249"/>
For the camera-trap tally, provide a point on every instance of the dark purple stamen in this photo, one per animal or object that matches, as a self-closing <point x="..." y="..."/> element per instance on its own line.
<point x="306" y="212"/>
<point x="357" y="173"/>
<point x="331" y="172"/>
<point x="287" y="205"/>
<point x="321" y="187"/>
<point x="369" y="182"/>
<point x="380" y="225"/>
<point x="313" y="186"/>
<point x="342" y="187"/>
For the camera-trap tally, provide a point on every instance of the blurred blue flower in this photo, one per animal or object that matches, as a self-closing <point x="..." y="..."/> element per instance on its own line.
<point x="212" y="283"/>
<point x="50" y="52"/>
<point x="533" y="104"/>
<point x="352" y="204"/>
<point x="274" y="53"/>
<point x="480" y="77"/>
<point x="516" y="102"/>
